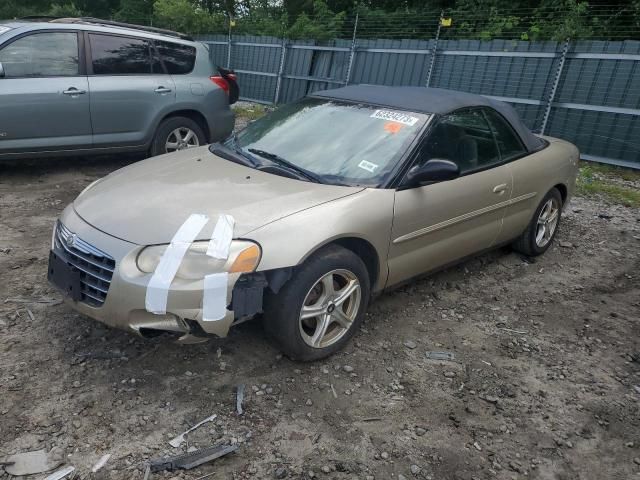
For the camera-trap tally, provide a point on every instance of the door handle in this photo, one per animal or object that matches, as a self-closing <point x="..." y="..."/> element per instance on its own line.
<point x="500" y="189"/>
<point x="73" y="91"/>
<point x="162" y="90"/>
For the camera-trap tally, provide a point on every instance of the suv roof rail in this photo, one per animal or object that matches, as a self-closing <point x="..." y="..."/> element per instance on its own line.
<point x="36" y="18"/>
<point x="110" y="23"/>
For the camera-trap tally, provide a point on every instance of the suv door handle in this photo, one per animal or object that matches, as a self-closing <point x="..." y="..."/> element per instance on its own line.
<point x="73" y="91"/>
<point x="500" y="189"/>
<point x="162" y="90"/>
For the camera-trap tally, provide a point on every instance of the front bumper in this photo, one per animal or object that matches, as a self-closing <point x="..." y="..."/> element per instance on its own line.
<point x="124" y="303"/>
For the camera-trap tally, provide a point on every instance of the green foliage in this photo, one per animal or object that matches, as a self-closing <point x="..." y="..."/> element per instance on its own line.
<point x="325" y="24"/>
<point x="183" y="16"/>
<point x="324" y="20"/>
<point x="65" y="10"/>
<point x="615" y="184"/>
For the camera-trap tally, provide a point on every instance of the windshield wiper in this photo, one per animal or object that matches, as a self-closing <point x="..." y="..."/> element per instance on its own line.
<point x="281" y="161"/>
<point x="233" y="155"/>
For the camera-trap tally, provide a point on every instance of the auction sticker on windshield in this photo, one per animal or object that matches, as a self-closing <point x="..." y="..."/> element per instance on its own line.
<point x="395" y="117"/>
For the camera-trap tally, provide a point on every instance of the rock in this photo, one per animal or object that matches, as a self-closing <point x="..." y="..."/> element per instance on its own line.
<point x="449" y="374"/>
<point x="326" y="469"/>
<point x="348" y="368"/>
<point x="490" y="399"/>
<point x="477" y="446"/>
<point x="636" y="460"/>
<point x="280" y="472"/>
<point x="401" y="477"/>
<point x="566" y="244"/>
<point x="309" y="402"/>
<point x="410" y="344"/>
<point x="415" y="469"/>
<point x="76" y="384"/>
<point x="311" y="474"/>
<point x="384" y="455"/>
<point x="420" y="431"/>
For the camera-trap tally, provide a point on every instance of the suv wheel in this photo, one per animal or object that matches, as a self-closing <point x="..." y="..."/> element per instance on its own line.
<point x="321" y="307"/>
<point x="177" y="133"/>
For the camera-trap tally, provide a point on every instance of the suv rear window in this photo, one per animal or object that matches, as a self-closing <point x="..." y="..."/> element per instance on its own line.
<point x="111" y="55"/>
<point x="178" y="59"/>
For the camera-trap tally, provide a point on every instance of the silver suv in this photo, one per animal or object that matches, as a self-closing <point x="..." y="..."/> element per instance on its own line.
<point x="74" y="86"/>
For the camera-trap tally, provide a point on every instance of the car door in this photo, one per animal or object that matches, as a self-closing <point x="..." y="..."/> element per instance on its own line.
<point x="44" y="101"/>
<point x="439" y="223"/>
<point x="129" y="89"/>
<point x="525" y="169"/>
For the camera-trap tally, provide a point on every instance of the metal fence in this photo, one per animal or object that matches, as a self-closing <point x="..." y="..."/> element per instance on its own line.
<point x="587" y="92"/>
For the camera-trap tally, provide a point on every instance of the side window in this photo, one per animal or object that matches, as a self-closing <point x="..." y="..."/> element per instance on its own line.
<point x="178" y="59"/>
<point x="47" y="54"/>
<point x="464" y="137"/>
<point x="508" y="142"/>
<point x="111" y="55"/>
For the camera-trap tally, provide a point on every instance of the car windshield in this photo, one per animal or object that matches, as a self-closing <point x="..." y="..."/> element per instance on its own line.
<point x="335" y="142"/>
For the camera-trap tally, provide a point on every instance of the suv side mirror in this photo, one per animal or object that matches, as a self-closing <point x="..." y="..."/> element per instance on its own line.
<point x="1" y="70"/>
<point x="434" y="170"/>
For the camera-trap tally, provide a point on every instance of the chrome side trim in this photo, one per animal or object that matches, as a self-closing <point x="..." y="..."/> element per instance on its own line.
<point x="462" y="218"/>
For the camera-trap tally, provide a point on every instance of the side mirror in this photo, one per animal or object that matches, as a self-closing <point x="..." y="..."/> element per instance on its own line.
<point x="435" y="170"/>
<point x="1" y="70"/>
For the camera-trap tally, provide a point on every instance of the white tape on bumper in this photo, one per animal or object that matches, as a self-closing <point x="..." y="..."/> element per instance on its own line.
<point x="158" y="287"/>
<point x="214" y="300"/>
<point x="221" y="237"/>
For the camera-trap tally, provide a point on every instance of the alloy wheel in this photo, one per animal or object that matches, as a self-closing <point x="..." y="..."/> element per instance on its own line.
<point x="330" y="308"/>
<point x="547" y="222"/>
<point x="180" y="139"/>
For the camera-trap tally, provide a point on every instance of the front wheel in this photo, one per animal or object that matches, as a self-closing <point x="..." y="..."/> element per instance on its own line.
<point x="177" y="133"/>
<point x="320" y="308"/>
<point x="537" y="238"/>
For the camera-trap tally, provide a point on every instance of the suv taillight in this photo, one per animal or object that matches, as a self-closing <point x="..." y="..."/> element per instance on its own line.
<point x="222" y="83"/>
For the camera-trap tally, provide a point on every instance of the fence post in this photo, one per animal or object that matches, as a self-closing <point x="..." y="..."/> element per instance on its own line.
<point x="435" y="49"/>
<point x="352" y="53"/>
<point x="229" y="45"/>
<point x="283" y="53"/>
<point x="554" y="88"/>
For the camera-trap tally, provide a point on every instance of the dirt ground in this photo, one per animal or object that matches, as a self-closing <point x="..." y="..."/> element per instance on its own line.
<point x="545" y="383"/>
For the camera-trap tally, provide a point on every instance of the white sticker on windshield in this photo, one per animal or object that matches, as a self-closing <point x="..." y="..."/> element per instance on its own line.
<point x="395" y="117"/>
<point x="368" y="166"/>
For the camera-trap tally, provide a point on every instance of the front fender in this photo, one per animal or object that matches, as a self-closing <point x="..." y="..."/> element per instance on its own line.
<point x="366" y="215"/>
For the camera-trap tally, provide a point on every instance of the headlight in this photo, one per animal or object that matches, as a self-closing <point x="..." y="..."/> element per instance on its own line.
<point x="244" y="256"/>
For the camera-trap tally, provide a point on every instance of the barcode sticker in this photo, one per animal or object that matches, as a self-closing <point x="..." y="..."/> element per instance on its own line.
<point x="368" y="166"/>
<point x="395" y="117"/>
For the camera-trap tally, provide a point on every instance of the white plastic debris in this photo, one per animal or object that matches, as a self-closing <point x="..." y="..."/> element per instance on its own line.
<point x="101" y="463"/>
<point x="177" y="441"/>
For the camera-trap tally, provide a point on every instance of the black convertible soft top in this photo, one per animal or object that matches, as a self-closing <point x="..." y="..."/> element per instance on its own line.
<point x="429" y="100"/>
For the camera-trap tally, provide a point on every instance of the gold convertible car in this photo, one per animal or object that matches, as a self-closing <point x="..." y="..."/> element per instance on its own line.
<point x="308" y="213"/>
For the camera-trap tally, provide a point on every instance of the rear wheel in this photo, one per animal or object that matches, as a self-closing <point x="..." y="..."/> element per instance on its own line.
<point x="177" y="133"/>
<point x="537" y="238"/>
<point x="321" y="307"/>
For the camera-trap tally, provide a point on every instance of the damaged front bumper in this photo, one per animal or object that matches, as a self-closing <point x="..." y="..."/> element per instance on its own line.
<point x="100" y="279"/>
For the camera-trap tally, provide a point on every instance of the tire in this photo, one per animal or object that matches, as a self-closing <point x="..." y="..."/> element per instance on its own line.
<point x="282" y="320"/>
<point x="527" y="243"/>
<point x="167" y="128"/>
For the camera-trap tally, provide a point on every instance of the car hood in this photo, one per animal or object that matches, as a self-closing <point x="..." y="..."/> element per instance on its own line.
<point x="145" y="203"/>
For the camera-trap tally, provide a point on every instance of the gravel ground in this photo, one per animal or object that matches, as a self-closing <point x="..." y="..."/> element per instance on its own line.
<point x="545" y="382"/>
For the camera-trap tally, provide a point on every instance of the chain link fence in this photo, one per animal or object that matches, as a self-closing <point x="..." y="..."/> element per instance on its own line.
<point x="584" y="89"/>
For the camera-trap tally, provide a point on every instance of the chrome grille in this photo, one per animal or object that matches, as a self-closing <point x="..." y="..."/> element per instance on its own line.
<point x="96" y="267"/>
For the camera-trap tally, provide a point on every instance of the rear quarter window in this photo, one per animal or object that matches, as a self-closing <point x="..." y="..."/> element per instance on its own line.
<point x="178" y="59"/>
